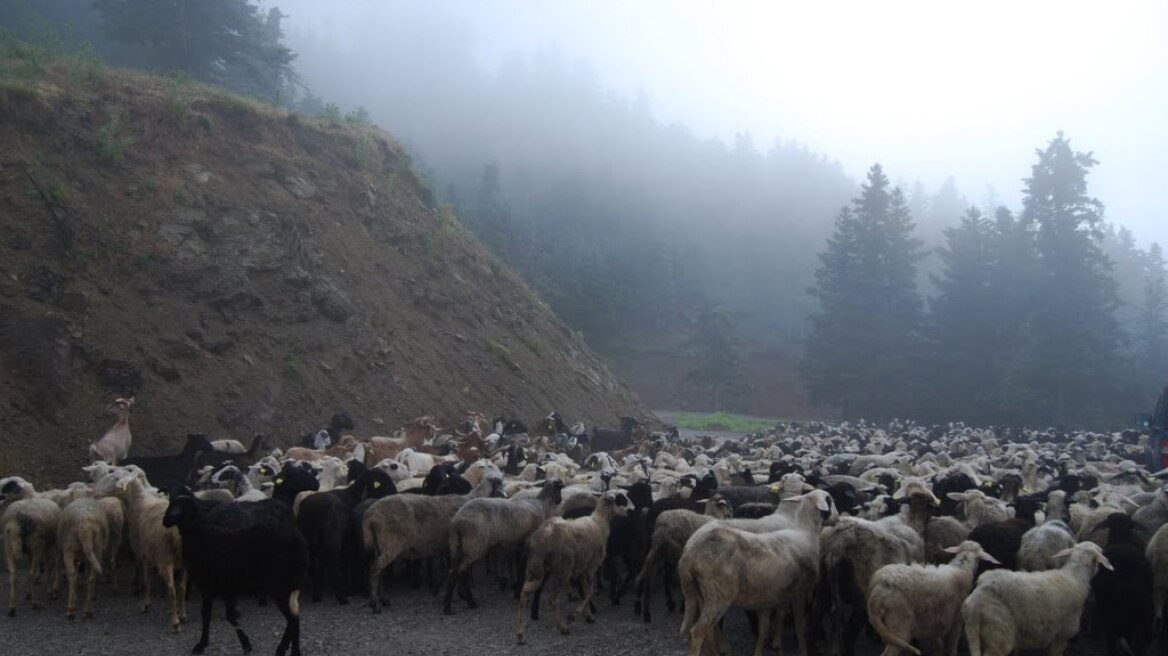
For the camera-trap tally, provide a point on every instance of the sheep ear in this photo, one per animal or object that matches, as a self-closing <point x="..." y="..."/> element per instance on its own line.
<point x="1063" y="554"/>
<point x="1102" y="560"/>
<point x="1101" y="526"/>
<point x="807" y="487"/>
<point x="956" y="496"/>
<point x="952" y="550"/>
<point x="986" y="557"/>
<point x="899" y="494"/>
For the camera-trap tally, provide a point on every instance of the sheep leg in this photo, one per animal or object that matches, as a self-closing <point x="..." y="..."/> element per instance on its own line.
<point x="1057" y="648"/>
<point x="182" y="595"/>
<point x="145" y="569"/>
<point x="559" y="586"/>
<point x="10" y="553"/>
<point x="464" y="591"/>
<point x="54" y="573"/>
<point x="205" y="615"/>
<point x="587" y="589"/>
<point x="764" y="628"/>
<point x="167" y="572"/>
<point x="90" y="589"/>
<point x="229" y="602"/>
<point x="530" y="586"/>
<point x="34" y="579"/>
<point x="290" y="608"/>
<point x="667" y="578"/>
<point x="71" y="582"/>
<point x="379" y="564"/>
<point x="799" y="608"/>
<point x="520" y="568"/>
<point x="535" y="602"/>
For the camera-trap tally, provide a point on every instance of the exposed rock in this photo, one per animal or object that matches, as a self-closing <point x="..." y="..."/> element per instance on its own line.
<point x="166" y="370"/>
<point x="299" y="187"/>
<point x="178" y="348"/>
<point x="331" y="302"/>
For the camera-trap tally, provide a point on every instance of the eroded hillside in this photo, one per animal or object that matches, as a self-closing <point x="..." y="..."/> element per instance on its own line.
<point x="242" y="269"/>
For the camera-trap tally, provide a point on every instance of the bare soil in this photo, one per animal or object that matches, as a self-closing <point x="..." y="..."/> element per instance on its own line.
<point x="241" y="269"/>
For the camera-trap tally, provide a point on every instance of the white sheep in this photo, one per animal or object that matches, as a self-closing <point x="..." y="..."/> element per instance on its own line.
<point x="563" y="549"/>
<point x="114" y="445"/>
<point x="1010" y="611"/>
<point x="83" y="533"/>
<point x="29" y="526"/>
<point x="153" y="544"/>
<point x="923" y="602"/>
<point x="417" y="525"/>
<point x="724" y="566"/>
<point x="1041" y="543"/>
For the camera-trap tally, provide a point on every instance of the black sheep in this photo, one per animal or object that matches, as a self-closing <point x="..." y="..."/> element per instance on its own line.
<point x="165" y="472"/>
<point x="627" y="540"/>
<point x="322" y="521"/>
<point x="1002" y="540"/>
<point x="1124" y="594"/>
<point x="246" y="548"/>
<point x="607" y="439"/>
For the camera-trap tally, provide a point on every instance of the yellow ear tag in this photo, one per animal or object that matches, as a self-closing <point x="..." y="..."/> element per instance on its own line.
<point x="376" y="484"/>
<point x="125" y="485"/>
<point x="774" y="488"/>
<point x="279" y="480"/>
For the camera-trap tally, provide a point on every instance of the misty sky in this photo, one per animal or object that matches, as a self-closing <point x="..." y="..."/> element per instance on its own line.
<point x="929" y="89"/>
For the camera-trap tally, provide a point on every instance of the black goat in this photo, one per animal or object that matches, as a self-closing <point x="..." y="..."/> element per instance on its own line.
<point x="164" y="472"/>
<point x="322" y="520"/>
<point x="242" y="548"/>
<point x="607" y="439"/>
<point x="218" y="459"/>
<point x="627" y="540"/>
<point x="1124" y="594"/>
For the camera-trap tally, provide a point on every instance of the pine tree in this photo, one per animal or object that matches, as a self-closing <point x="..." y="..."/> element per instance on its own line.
<point x="1152" y="332"/>
<point x="1074" y="324"/>
<point x="718" y="354"/>
<point x="861" y="352"/>
<point x="1013" y="288"/>
<point x="961" y="326"/>
<point x="224" y="42"/>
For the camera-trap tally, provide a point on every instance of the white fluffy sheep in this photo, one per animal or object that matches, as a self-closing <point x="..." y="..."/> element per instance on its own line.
<point x="482" y="525"/>
<point x="417" y="525"/>
<point x="563" y="549"/>
<point x="923" y="602"/>
<point x="83" y="533"/>
<point x="29" y="526"/>
<point x="1010" y="611"/>
<point x="1041" y="543"/>
<point x="154" y="545"/>
<point x="723" y="566"/>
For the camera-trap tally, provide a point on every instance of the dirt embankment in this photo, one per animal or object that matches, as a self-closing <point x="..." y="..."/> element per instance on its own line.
<point x="241" y="269"/>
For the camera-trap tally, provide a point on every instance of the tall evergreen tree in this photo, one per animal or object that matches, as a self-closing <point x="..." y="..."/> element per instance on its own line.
<point x="224" y="42"/>
<point x="718" y="354"/>
<point x="1075" y="331"/>
<point x="860" y="354"/>
<point x="1013" y="287"/>
<point x="1152" y="331"/>
<point x="961" y="326"/>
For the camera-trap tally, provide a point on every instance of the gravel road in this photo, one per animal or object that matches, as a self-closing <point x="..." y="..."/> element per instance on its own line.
<point x="412" y="624"/>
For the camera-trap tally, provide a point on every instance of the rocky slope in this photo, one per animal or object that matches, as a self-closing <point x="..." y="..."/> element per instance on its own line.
<point x="241" y="269"/>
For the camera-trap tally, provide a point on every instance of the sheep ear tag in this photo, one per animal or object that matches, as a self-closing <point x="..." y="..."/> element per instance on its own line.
<point x="279" y="480"/>
<point x="774" y="488"/>
<point x="376" y="484"/>
<point x="125" y="485"/>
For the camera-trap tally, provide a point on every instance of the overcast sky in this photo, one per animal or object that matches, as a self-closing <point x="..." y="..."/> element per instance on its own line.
<point x="929" y="89"/>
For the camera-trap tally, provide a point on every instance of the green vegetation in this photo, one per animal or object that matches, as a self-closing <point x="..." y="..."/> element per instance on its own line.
<point x="357" y="118"/>
<point x="177" y="98"/>
<point x="50" y="184"/>
<point x="533" y="343"/>
<point x="111" y="144"/>
<point x="722" y="421"/>
<point x="502" y="352"/>
<point x="436" y="237"/>
<point x="292" y="366"/>
<point x="332" y="113"/>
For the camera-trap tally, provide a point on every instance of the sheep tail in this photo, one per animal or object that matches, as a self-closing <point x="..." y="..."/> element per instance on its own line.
<point x="369" y="535"/>
<point x="972" y="631"/>
<point x="88" y="540"/>
<point x="876" y="618"/>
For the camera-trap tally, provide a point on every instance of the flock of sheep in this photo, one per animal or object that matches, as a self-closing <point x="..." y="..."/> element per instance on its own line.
<point x="1014" y="538"/>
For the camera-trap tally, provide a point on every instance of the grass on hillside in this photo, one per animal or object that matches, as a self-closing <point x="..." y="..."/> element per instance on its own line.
<point x="722" y="421"/>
